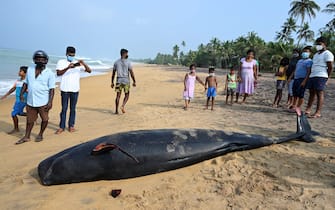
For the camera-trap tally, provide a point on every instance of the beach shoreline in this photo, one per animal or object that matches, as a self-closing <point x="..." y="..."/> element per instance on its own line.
<point x="293" y="175"/>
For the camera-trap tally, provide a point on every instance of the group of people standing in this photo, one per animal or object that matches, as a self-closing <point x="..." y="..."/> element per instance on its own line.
<point x="36" y="88"/>
<point x="303" y="73"/>
<point x="243" y="83"/>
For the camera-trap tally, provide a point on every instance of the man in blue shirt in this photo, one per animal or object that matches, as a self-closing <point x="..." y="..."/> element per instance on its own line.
<point x="40" y="81"/>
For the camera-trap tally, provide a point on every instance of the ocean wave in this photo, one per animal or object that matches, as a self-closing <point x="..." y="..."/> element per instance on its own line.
<point x="5" y="86"/>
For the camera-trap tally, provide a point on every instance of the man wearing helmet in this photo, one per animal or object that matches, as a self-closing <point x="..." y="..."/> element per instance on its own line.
<point x="40" y="81"/>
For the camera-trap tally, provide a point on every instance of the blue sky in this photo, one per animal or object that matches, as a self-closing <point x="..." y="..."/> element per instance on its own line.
<point x="100" y="28"/>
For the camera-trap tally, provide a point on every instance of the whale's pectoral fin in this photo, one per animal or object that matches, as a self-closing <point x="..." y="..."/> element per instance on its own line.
<point x="103" y="148"/>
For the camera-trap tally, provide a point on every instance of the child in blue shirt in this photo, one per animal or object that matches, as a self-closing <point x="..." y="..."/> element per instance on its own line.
<point x="18" y="105"/>
<point x="303" y="66"/>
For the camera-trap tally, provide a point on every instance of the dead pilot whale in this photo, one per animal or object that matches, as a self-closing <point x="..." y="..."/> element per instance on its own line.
<point x="138" y="153"/>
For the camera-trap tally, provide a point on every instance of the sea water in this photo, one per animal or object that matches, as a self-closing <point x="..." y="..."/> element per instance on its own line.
<point x="12" y="59"/>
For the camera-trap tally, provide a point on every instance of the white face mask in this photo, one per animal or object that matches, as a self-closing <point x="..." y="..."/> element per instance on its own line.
<point x="211" y="74"/>
<point x="319" y="47"/>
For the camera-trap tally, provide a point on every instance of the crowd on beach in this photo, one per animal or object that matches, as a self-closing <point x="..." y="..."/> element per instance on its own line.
<point x="303" y="71"/>
<point x="36" y="86"/>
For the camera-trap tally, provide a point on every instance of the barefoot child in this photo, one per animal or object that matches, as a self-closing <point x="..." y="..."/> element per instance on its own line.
<point x="300" y="75"/>
<point x="189" y="84"/>
<point x="18" y="105"/>
<point x="230" y="85"/>
<point x="281" y="80"/>
<point x="211" y="86"/>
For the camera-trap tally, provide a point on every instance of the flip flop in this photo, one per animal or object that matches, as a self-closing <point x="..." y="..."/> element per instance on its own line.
<point x="38" y="139"/>
<point x="21" y="141"/>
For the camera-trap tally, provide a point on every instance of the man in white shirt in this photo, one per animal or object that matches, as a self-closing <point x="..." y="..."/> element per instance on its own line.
<point x="40" y="81"/>
<point x="319" y="75"/>
<point x="69" y="71"/>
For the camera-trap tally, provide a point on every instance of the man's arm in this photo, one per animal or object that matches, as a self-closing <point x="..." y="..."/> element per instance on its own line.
<point x="23" y="90"/>
<point x="112" y="79"/>
<point x="329" y="68"/>
<point x="61" y="72"/>
<point x="132" y="77"/>
<point x="87" y="68"/>
<point x="51" y="98"/>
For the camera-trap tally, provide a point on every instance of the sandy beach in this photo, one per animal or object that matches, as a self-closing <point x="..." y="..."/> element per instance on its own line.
<point x="292" y="175"/>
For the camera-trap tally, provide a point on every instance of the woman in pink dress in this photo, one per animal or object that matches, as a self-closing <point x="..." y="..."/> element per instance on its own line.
<point x="247" y="75"/>
<point x="189" y="85"/>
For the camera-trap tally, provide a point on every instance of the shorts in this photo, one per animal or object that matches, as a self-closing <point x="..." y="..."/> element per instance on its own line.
<point x="119" y="87"/>
<point x="317" y="83"/>
<point x="298" y="91"/>
<point x="290" y="87"/>
<point x="32" y="113"/>
<point x="18" y="108"/>
<point x="211" y="92"/>
<point x="280" y="84"/>
<point x="231" y="91"/>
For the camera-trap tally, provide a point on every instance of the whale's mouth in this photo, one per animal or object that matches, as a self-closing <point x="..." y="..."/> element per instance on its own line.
<point x="105" y="147"/>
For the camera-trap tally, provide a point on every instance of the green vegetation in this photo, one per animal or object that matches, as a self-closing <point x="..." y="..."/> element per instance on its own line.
<point x="223" y="54"/>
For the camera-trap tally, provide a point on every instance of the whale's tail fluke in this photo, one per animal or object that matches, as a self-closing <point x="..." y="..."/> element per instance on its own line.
<point x="304" y="128"/>
<point x="304" y="132"/>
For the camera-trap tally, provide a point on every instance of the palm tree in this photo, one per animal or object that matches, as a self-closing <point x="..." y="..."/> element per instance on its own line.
<point x="330" y="9"/>
<point x="305" y="33"/>
<point x="285" y="35"/>
<point x="302" y="8"/>
<point x="175" y="52"/>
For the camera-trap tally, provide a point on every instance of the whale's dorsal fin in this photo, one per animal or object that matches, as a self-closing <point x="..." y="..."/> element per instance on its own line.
<point x="106" y="147"/>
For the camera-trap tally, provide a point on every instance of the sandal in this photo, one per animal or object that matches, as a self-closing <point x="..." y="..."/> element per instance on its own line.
<point x="21" y="141"/>
<point x="39" y="138"/>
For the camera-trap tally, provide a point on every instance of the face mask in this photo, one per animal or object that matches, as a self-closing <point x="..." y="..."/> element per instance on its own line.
<point x="70" y="58"/>
<point x="319" y="47"/>
<point x="295" y="55"/>
<point x="212" y="74"/>
<point x="305" y="55"/>
<point x="40" y="65"/>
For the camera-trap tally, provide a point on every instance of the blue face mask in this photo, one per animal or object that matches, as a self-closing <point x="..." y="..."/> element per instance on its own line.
<point x="70" y="58"/>
<point x="305" y="55"/>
